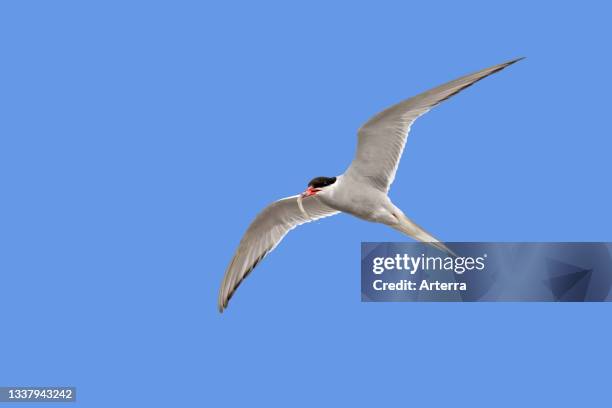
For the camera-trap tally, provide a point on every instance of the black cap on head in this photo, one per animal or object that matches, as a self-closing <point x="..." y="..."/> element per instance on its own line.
<point x="320" y="182"/>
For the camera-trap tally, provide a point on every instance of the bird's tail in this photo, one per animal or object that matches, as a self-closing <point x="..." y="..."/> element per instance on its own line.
<point x="408" y="227"/>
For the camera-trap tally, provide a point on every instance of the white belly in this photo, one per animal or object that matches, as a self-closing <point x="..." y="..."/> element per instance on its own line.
<point x="360" y="200"/>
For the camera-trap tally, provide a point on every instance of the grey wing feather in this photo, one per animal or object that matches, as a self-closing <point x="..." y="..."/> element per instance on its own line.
<point x="264" y="234"/>
<point x="381" y="140"/>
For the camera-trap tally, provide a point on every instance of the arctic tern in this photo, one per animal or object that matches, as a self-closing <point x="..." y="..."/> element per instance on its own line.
<point x="361" y="191"/>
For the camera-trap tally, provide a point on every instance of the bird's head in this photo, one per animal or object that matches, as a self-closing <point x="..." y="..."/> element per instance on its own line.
<point x="317" y="185"/>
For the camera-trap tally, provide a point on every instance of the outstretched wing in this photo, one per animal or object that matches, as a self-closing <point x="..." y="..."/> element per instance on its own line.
<point x="264" y="234"/>
<point x="382" y="138"/>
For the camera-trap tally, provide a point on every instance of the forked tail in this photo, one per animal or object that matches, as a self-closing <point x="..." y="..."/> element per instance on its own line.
<point x="408" y="227"/>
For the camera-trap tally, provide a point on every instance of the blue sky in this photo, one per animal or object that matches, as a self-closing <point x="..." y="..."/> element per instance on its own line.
<point x="139" y="139"/>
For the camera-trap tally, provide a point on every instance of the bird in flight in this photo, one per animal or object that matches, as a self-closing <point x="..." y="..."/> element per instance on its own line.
<point x="361" y="191"/>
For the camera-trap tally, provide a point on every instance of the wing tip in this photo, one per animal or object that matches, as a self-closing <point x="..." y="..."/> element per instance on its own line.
<point x="513" y="61"/>
<point x="222" y="302"/>
<point x="221" y="305"/>
<point x="223" y="299"/>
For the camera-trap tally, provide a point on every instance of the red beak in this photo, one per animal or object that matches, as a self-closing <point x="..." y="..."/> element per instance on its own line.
<point x="310" y="191"/>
